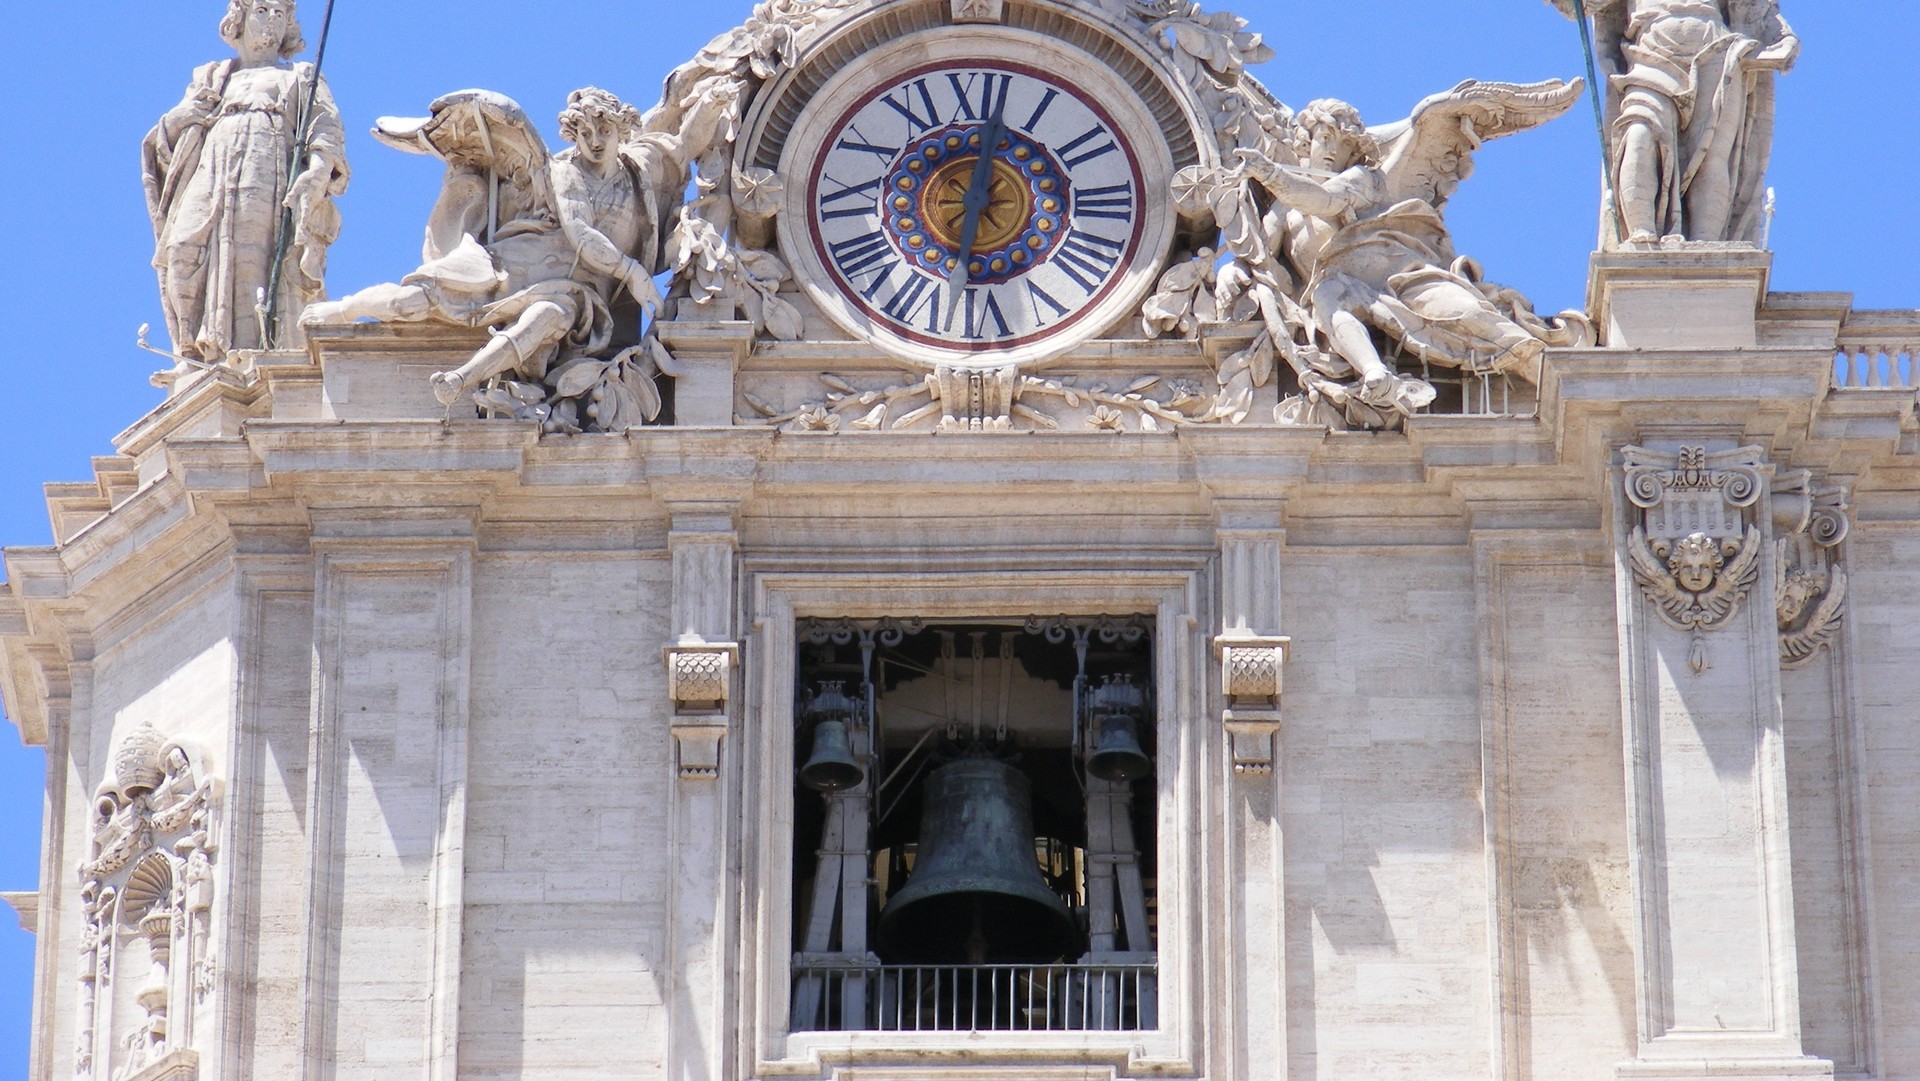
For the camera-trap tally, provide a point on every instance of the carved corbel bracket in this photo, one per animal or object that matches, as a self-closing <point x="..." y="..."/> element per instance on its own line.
<point x="1252" y="680"/>
<point x="1695" y="551"/>
<point x="700" y="684"/>
<point x="1810" y="583"/>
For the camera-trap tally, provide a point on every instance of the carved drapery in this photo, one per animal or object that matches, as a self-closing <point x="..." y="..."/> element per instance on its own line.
<point x="147" y="891"/>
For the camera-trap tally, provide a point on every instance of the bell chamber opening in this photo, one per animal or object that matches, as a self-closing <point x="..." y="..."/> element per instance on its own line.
<point x="974" y="826"/>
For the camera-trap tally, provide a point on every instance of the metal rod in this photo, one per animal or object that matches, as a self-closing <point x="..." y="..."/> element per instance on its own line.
<point x="296" y="165"/>
<point x="1600" y="117"/>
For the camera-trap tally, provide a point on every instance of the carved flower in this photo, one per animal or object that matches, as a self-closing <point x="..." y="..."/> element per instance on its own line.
<point x="758" y="192"/>
<point x="1106" y="419"/>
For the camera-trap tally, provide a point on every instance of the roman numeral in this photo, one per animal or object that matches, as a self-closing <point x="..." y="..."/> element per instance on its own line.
<point x="1076" y="161"/>
<point x="920" y="293"/>
<point x="1114" y="201"/>
<point x="861" y="252"/>
<point x="1045" y="104"/>
<point x="1037" y="296"/>
<point x="857" y="199"/>
<point x="857" y="142"/>
<point x="904" y="105"/>
<point x="981" y="95"/>
<point x="979" y="314"/>
<point x="1088" y="258"/>
<point x="881" y="277"/>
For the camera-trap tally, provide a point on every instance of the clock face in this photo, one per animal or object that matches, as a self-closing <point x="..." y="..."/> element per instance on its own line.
<point x="1054" y="228"/>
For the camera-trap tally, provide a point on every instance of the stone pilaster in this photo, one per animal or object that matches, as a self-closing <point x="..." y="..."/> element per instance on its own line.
<point x="393" y="598"/>
<point x="1250" y="657"/>
<point x="1717" y="966"/>
<point x="703" y="505"/>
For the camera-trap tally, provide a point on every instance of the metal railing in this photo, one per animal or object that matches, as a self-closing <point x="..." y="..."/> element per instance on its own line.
<point x="975" y="998"/>
<point x="1878" y="350"/>
<point x="1464" y="394"/>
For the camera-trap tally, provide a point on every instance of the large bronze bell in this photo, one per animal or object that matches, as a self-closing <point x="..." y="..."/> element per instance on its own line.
<point x="976" y="895"/>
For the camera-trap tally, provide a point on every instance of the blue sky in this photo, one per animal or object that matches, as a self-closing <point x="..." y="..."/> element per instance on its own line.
<point x="78" y="92"/>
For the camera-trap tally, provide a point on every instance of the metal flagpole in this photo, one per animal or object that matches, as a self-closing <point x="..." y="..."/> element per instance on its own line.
<point x="296" y="165"/>
<point x="1599" y="117"/>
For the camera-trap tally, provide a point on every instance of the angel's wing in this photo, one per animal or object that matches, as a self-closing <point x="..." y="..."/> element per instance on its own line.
<point x="1735" y="581"/>
<point x="1797" y="646"/>
<point x="476" y="129"/>
<point x="1427" y="155"/>
<point x="1654" y="578"/>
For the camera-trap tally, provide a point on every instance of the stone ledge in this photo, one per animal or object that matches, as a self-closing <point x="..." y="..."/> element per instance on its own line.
<point x="26" y="905"/>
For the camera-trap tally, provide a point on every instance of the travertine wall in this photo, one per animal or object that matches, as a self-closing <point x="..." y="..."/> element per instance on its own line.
<point x="466" y="832"/>
<point x="566" y="893"/>
<point x="1885" y="639"/>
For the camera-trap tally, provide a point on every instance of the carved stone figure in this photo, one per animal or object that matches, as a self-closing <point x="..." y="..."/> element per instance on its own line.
<point x="217" y="187"/>
<point x="1692" y="124"/>
<point x="1356" y="231"/>
<point x="531" y="246"/>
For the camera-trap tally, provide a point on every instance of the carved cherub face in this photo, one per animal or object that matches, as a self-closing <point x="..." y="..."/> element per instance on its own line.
<point x="1696" y="561"/>
<point x="1800" y="590"/>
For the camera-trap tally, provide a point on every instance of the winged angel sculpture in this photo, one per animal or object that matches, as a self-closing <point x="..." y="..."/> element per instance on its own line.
<point x="1340" y="246"/>
<point x="538" y="248"/>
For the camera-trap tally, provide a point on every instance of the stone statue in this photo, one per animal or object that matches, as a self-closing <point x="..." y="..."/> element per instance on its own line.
<point x="531" y="246"/>
<point x="1692" y="112"/>
<point x="1355" y="243"/>
<point x="217" y="186"/>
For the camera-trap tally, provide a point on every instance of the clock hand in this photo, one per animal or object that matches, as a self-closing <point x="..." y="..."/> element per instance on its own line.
<point x="978" y="198"/>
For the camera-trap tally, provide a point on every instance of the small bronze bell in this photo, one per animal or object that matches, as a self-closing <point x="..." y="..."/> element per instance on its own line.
<point x="832" y="766"/>
<point x="1117" y="707"/>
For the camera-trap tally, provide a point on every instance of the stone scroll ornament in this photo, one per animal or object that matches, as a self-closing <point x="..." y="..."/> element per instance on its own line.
<point x="1696" y="552"/>
<point x="542" y="250"/>
<point x="147" y="899"/>
<point x="215" y="168"/>
<point x="1690" y="113"/>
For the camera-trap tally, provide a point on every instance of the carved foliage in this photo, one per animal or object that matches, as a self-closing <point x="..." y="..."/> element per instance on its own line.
<point x="1696" y="551"/>
<point x="147" y="886"/>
